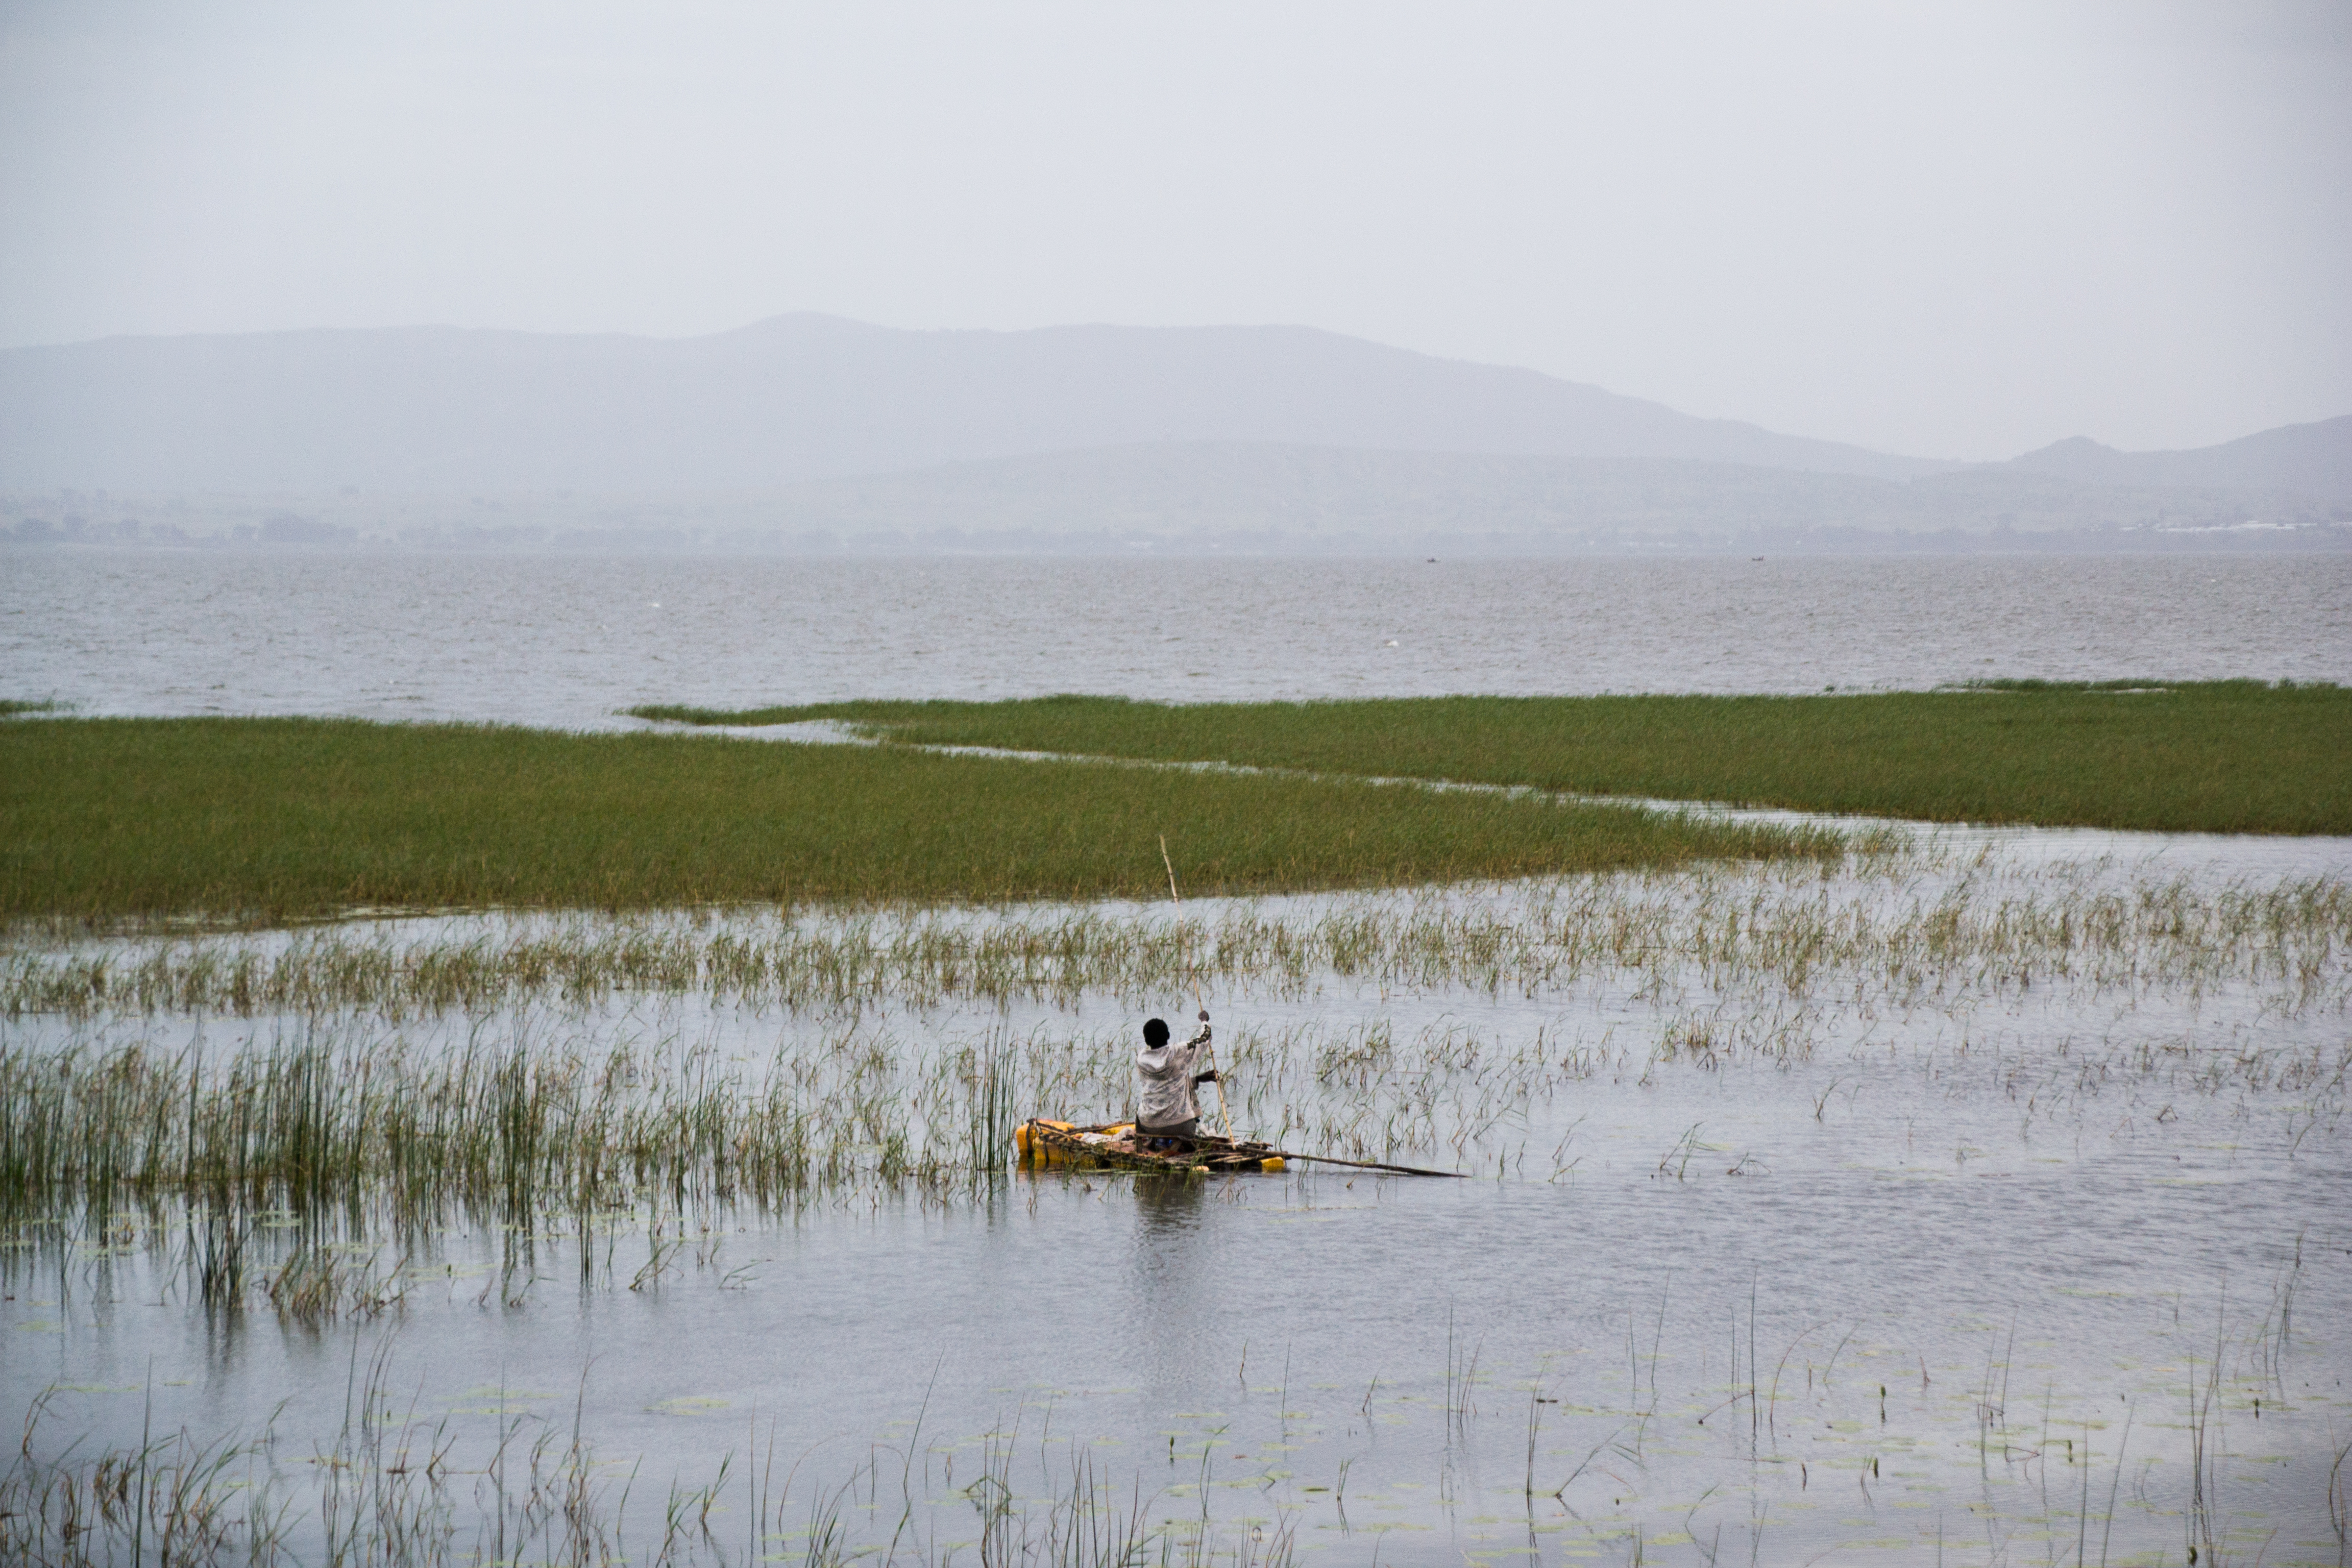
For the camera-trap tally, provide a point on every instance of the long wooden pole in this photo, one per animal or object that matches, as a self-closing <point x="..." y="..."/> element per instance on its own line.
<point x="1370" y="1165"/>
<point x="1224" y="1116"/>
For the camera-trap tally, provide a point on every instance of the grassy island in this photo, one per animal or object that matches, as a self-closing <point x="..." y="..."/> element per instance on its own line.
<point x="2238" y="756"/>
<point x="272" y="819"/>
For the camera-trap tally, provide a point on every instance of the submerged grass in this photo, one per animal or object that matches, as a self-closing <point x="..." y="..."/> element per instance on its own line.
<point x="1781" y="928"/>
<point x="404" y="1481"/>
<point x="273" y="818"/>
<point x="283" y="1169"/>
<point x="431" y="1074"/>
<point x="395" y="1487"/>
<point x="2233" y="756"/>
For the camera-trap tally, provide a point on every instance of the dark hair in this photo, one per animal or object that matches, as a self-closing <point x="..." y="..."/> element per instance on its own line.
<point x="1155" y="1034"/>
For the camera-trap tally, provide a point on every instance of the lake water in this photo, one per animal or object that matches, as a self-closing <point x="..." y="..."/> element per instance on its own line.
<point x="1880" y="1217"/>
<point x="563" y="640"/>
<point x="1774" y="1256"/>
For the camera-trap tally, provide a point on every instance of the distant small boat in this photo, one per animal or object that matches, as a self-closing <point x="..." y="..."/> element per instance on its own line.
<point x="1116" y="1146"/>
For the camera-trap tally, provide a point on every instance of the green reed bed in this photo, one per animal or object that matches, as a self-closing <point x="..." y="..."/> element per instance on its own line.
<point x="348" y="1117"/>
<point x="2237" y="756"/>
<point x="280" y="1168"/>
<point x="529" y="1073"/>
<point x="272" y="818"/>
<point x="1796" y="932"/>
<point x="505" y="1105"/>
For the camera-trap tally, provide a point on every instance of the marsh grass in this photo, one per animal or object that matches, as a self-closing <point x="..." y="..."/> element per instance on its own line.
<point x="403" y="1085"/>
<point x="511" y="1077"/>
<point x="314" y="1175"/>
<point x="514" y="1133"/>
<point x="362" y="1131"/>
<point x="394" y="1488"/>
<point x="2233" y="756"/>
<point x="1799" y="932"/>
<point x="268" y="819"/>
<point x="295" y="1175"/>
<point x="2043" y="1474"/>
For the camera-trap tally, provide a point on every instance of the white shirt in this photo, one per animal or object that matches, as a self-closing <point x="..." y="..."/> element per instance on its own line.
<point x="1168" y="1081"/>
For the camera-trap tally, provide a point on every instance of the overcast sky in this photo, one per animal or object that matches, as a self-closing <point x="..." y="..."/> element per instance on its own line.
<point x="1957" y="231"/>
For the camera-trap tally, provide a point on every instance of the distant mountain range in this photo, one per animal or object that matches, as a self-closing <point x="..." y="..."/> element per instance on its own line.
<point x="846" y="425"/>
<point x="2313" y="459"/>
<point x="794" y="398"/>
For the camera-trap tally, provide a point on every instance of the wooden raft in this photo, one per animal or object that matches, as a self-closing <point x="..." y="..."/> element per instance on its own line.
<point x="1115" y="1145"/>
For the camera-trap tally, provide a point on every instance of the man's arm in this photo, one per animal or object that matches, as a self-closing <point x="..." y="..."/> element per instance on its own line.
<point x="1195" y="1045"/>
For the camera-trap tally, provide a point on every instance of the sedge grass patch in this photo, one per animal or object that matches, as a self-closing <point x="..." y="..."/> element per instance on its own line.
<point x="273" y="818"/>
<point x="2233" y="756"/>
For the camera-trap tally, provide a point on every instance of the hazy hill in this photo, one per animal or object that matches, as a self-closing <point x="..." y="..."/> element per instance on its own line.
<point x="794" y="398"/>
<point x="2315" y="459"/>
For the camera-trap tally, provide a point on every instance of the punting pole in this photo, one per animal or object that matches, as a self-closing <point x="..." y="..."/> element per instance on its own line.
<point x="1370" y="1165"/>
<point x="1225" y="1117"/>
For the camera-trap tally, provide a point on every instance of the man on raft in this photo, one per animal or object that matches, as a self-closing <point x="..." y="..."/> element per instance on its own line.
<point x="1168" y="1109"/>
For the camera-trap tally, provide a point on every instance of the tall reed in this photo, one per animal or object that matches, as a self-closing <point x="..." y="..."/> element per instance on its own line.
<point x="1796" y="930"/>
<point x="311" y="1121"/>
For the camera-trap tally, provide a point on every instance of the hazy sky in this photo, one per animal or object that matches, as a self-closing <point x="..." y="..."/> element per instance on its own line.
<point x="1957" y="231"/>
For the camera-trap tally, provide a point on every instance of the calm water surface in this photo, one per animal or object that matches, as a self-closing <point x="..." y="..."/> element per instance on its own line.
<point x="1892" y="1291"/>
<point x="1941" y="1285"/>
<point x="560" y="640"/>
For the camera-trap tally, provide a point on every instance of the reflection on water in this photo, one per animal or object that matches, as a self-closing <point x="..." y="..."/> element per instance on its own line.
<point x="1171" y="1282"/>
<point x="1168" y="1226"/>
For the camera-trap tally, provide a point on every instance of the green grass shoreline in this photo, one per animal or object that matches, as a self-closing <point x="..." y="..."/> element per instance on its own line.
<point x="2239" y="756"/>
<point x="271" y="819"/>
